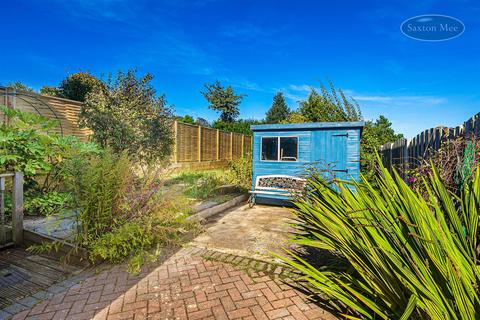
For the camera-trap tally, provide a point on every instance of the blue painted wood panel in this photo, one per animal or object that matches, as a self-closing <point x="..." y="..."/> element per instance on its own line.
<point x="334" y="146"/>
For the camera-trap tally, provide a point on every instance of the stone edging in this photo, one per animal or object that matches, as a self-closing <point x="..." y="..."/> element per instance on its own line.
<point x="204" y="214"/>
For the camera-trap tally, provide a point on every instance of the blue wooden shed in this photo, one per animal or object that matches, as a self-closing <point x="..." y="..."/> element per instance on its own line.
<point x="282" y="152"/>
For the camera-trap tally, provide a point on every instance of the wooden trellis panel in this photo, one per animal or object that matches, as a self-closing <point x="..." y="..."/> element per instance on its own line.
<point x="187" y="142"/>
<point x="64" y="111"/>
<point x="224" y="145"/>
<point x="209" y="144"/>
<point x="237" y="146"/>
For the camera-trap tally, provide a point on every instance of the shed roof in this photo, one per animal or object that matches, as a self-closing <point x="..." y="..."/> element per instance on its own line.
<point x="307" y="126"/>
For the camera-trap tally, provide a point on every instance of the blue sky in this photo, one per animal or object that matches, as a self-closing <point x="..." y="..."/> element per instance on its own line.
<point x="258" y="47"/>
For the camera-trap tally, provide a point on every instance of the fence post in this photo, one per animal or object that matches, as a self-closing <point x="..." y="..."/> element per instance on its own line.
<point x="175" y="141"/>
<point x="199" y="144"/>
<point x="243" y="145"/>
<point x="218" y="145"/>
<point x="231" y="145"/>
<point x="3" y="235"/>
<point x="17" y="212"/>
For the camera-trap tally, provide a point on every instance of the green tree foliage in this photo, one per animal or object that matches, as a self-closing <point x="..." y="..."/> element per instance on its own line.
<point x="186" y="119"/>
<point x="279" y="110"/>
<point x="239" y="126"/>
<point x="18" y="85"/>
<point x="328" y="105"/>
<point x="127" y="115"/>
<point x="50" y="91"/>
<point x="27" y="144"/>
<point x="76" y="86"/>
<point x="331" y="105"/>
<point x="398" y="255"/>
<point x="375" y="133"/>
<point x="223" y="100"/>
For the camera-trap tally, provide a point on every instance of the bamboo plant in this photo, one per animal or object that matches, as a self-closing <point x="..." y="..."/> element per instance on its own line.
<point x="407" y="256"/>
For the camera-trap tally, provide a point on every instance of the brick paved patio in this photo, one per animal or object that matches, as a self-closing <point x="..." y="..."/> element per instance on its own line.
<point x="192" y="284"/>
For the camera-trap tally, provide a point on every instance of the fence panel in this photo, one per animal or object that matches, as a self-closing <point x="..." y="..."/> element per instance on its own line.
<point x="224" y="147"/>
<point x="237" y="145"/>
<point x="406" y="154"/>
<point x="63" y="110"/>
<point x="201" y="144"/>
<point x="187" y="142"/>
<point x="209" y="144"/>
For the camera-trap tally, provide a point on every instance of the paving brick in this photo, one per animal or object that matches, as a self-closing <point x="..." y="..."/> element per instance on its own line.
<point x="186" y="286"/>
<point x="239" y="313"/>
<point x="277" y="313"/>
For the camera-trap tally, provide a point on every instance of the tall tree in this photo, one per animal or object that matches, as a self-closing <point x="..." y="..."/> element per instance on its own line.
<point x="279" y="110"/>
<point x="329" y="105"/>
<point x="187" y="119"/>
<point x="375" y="133"/>
<point x="223" y="100"/>
<point x="76" y="86"/>
<point x="128" y="115"/>
<point x="239" y="126"/>
<point x="18" y="85"/>
<point x="50" y="91"/>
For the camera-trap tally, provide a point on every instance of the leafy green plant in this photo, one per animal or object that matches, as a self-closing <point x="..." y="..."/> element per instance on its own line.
<point x="406" y="256"/>
<point x="28" y="145"/>
<point x="127" y="115"/>
<point x="199" y="184"/>
<point x="124" y="216"/>
<point x="47" y="203"/>
<point x="99" y="190"/>
<point x="204" y="188"/>
<point x="25" y="144"/>
<point x="122" y="242"/>
<point x="240" y="172"/>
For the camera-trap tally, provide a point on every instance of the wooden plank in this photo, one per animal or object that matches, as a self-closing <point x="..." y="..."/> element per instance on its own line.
<point x="217" y="146"/>
<point x="199" y="141"/>
<point x="17" y="209"/>
<point x="175" y="141"/>
<point x="231" y="145"/>
<point x="3" y="233"/>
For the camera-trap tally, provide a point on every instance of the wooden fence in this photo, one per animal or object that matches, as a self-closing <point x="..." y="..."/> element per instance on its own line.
<point x="213" y="147"/>
<point x="63" y="110"/>
<point x="406" y="154"/>
<point x="195" y="146"/>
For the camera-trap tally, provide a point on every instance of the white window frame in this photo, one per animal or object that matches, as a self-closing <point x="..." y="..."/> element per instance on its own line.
<point x="278" y="146"/>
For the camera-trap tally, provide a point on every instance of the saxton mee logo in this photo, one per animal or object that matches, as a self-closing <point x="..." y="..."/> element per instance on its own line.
<point x="432" y="27"/>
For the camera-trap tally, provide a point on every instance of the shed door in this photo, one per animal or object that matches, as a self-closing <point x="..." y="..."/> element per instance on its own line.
<point x="330" y="150"/>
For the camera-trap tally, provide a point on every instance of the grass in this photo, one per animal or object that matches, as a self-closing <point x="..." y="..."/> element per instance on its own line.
<point x="199" y="185"/>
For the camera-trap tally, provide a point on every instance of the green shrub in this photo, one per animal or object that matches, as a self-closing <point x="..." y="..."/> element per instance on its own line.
<point x="406" y="256"/>
<point x="27" y="145"/>
<point x="122" y="242"/>
<point x="199" y="184"/>
<point x="240" y="172"/>
<point x="99" y="189"/>
<point x="47" y="203"/>
<point x="126" y="217"/>
<point x="204" y="188"/>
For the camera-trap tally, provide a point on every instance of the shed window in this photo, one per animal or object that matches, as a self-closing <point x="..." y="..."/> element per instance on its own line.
<point x="280" y="148"/>
<point x="270" y="149"/>
<point x="288" y="149"/>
